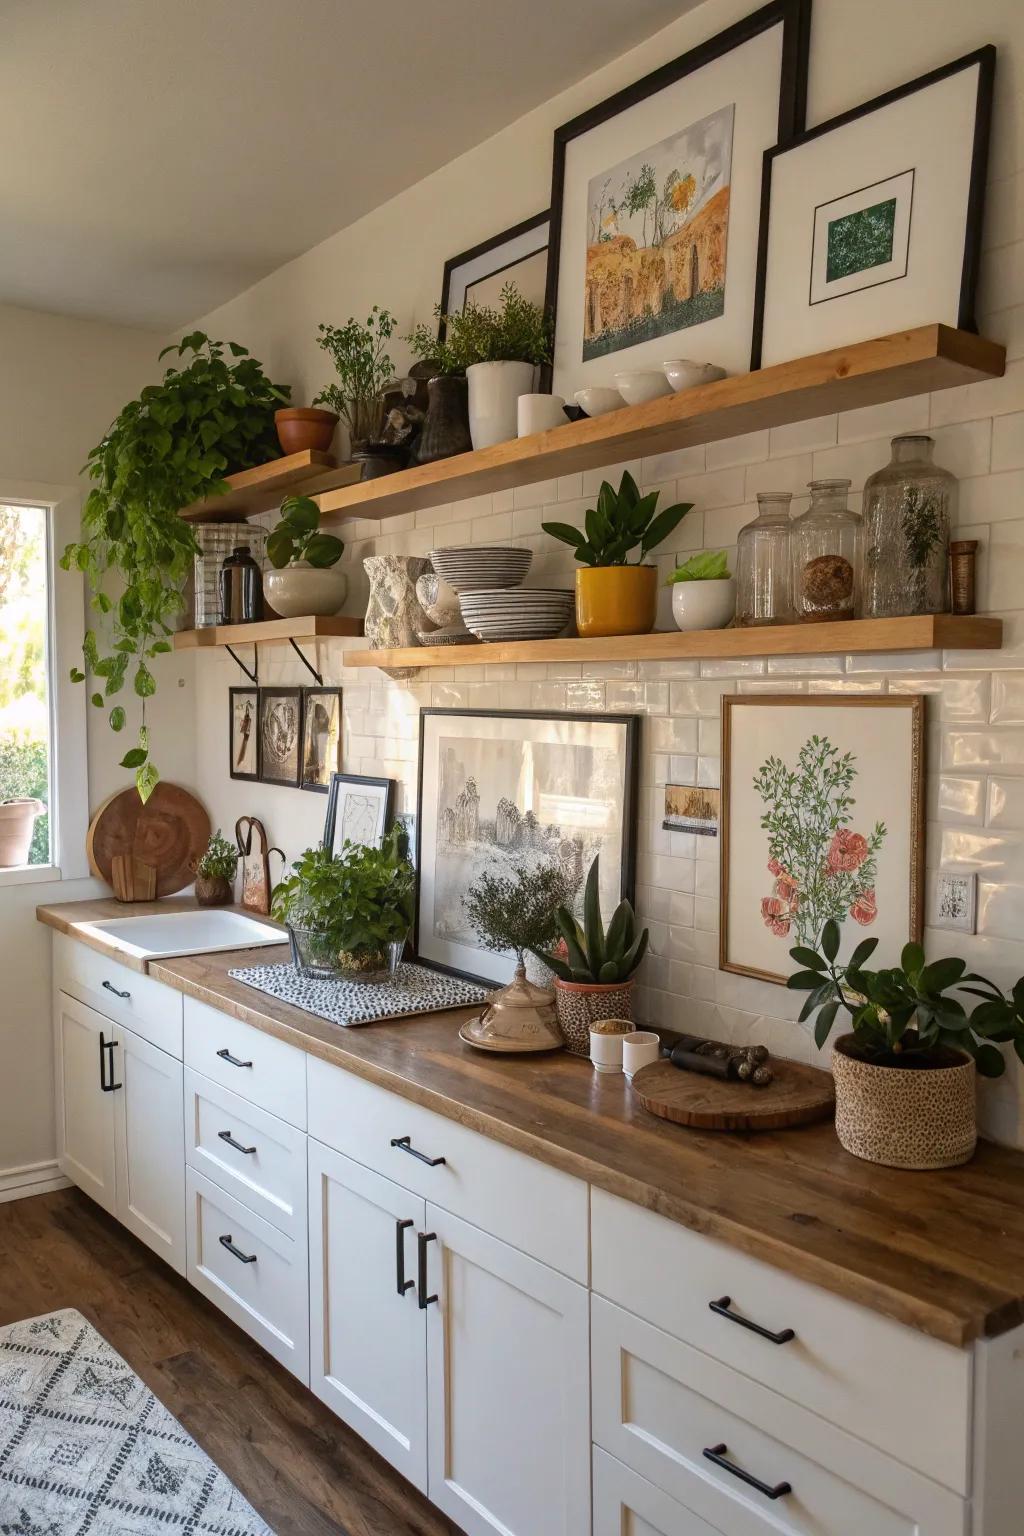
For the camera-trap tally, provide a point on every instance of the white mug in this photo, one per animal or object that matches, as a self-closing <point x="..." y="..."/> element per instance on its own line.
<point x="536" y="413"/>
<point x="606" y="1046"/>
<point x="638" y="1050"/>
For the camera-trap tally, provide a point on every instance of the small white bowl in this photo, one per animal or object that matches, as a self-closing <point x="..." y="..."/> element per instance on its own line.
<point x="684" y="373"/>
<point x="597" y="401"/>
<point x="704" y="604"/>
<point x="638" y="385"/>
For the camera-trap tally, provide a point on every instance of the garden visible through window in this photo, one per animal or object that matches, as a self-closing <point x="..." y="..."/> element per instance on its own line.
<point x="24" y="705"/>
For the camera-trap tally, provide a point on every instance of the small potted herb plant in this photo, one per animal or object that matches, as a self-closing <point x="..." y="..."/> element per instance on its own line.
<point x="703" y="591"/>
<point x="348" y="914"/>
<point x="614" y="597"/>
<point x="499" y="350"/>
<point x="304" y="579"/>
<point x="364" y="367"/>
<point x="215" y="872"/>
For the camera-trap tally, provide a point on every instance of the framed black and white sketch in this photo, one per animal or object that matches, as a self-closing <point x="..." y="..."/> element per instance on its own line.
<point x="518" y="255"/>
<point x="499" y="791"/>
<point x="871" y="222"/>
<point x="280" y="735"/>
<point x="655" y="203"/>
<point x="955" y="901"/>
<point x="243" y="733"/>
<point x="359" y="810"/>
<point x="321" y="737"/>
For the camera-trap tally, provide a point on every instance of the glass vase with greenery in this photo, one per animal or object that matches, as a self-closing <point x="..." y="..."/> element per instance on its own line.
<point x="359" y="353"/>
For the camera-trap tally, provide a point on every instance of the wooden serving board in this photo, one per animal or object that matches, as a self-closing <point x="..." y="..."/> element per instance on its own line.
<point x="166" y="833"/>
<point x="798" y="1095"/>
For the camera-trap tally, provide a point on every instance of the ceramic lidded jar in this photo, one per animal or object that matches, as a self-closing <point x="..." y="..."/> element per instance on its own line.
<point x="908" y="505"/>
<point x="764" y="563"/>
<point x="826" y="549"/>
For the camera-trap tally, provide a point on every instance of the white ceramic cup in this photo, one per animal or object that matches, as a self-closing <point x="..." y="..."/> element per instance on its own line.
<point x="639" y="1049"/>
<point x="537" y="413"/>
<point x="606" y="1045"/>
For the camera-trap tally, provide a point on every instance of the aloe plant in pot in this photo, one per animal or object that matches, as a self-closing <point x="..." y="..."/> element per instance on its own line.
<point x="304" y="579"/>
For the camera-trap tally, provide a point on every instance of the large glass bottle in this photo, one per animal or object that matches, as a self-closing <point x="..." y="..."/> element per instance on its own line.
<point x="907" y="510"/>
<point x="763" y="563"/>
<point x="826" y="548"/>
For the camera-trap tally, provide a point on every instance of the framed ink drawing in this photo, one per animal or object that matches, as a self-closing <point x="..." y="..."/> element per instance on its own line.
<point x="822" y="817"/>
<point x="321" y="737"/>
<point x="500" y="791"/>
<point x="280" y="735"/>
<point x="518" y="255"/>
<point x="244" y="736"/>
<point x="359" y="810"/>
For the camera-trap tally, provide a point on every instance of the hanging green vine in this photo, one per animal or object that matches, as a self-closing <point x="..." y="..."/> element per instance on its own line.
<point x="175" y="444"/>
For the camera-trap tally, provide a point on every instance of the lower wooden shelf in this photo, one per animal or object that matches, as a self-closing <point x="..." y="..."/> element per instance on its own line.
<point x="856" y="637"/>
<point x="268" y="631"/>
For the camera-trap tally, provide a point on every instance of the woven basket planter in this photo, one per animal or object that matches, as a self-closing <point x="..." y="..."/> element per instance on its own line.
<point x="579" y="1003"/>
<point x="904" y="1118"/>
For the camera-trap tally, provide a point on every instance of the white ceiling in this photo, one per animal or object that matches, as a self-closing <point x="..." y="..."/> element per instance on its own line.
<point x="162" y="155"/>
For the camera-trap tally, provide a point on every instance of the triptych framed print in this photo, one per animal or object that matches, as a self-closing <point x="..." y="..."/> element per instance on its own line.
<point x="288" y="736"/>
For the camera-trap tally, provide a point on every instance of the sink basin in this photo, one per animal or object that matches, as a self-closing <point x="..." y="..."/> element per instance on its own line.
<point x="163" y="935"/>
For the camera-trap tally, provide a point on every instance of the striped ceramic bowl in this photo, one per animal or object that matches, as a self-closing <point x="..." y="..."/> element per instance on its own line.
<point x="523" y="613"/>
<point x="481" y="568"/>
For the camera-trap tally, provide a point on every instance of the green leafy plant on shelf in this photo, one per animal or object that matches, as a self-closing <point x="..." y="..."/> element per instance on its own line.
<point x="359" y="353"/>
<point x="709" y="565"/>
<point x="220" y="859"/>
<point x="517" y="331"/>
<point x="297" y="537"/>
<point x="353" y="903"/>
<point x="519" y="912"/>
<point x="593" y="953"/>
<point x="622" y="521"/>
<point x="174" y="445"/>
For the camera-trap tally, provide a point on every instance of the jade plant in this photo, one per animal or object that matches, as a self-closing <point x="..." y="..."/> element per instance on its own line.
<point x="518" y="912"/>
<point x="297" y="537"/>
<point x="220" y="859"/>
<point x="175" y="444"/>
<point x="353" y="903"/>
<point x="359" y="353"/>
<point x="517" y="331"/>
<point x="709" y="565"/>
<point x="593" y="953"/>
<point x="622" y="521"/>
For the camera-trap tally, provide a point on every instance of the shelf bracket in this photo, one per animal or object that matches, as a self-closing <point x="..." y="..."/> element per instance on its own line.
<point x="253" y="672"/>
<point x="306" y="662"/>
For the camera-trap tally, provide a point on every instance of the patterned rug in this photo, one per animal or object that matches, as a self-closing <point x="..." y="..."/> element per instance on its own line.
<point x="87" y="1450"/>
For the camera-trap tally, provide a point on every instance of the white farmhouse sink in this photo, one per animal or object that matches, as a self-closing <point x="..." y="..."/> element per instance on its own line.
<point x="163" y="935"/>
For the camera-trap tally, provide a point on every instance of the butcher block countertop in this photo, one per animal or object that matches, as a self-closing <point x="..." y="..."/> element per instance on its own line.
<point x="940" y="1252"/>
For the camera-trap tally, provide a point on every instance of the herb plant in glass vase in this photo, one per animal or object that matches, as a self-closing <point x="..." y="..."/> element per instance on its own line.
<point x="499" y="350"/>
<point x="908" y="505"/>
<point x="359" y="353"/>
<point x="304" y="579"/>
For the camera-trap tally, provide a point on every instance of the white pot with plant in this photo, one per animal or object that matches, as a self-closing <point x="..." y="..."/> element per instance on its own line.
<point x="500" y="351"/>
<point x="703" y="592"/>
<point x="304" y="579"/>
<point x="364" y="370"/>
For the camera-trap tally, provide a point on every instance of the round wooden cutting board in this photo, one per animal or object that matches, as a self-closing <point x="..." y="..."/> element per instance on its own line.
<point x="169" y="830"/>
<point x="798" y="1095"/>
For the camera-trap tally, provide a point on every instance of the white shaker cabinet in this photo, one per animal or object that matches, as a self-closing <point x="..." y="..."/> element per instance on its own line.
<point x="85" y="1110"/>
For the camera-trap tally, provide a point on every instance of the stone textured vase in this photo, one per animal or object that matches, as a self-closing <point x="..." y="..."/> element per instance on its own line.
<point x="580" y="1003"/>
<point x="446" y="427"/>
<point x="394" y="613"/>
<point x="904" y="1118"/>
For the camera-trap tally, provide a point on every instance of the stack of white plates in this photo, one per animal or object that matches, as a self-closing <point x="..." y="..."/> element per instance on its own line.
<point x="524" y="613"/>
<point x="481" y="568"/>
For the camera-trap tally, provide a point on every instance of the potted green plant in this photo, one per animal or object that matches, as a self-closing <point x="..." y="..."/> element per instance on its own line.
<point x="594" y="966"/>
<point x="499" y="349"/>
<point x="445" y="431"/>
<point x="215" y="872"/>
<point x="614" y="597"/>
<point x="304" y="579"/>
<point x="348" y="914"/>
<point x="359" y="353"/>
<point x="905" y="1073"/>
<point x="208" y="418"/>
<point x="703" y="591"/>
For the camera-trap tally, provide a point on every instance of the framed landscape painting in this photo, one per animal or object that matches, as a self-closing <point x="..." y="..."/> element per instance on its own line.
<point x="822" y="817"/>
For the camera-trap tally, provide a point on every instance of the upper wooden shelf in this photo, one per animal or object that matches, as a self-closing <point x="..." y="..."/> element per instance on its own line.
<point x="266" y="486"/>
<point x="268" y="632"/>
<point x="913" y="362"/>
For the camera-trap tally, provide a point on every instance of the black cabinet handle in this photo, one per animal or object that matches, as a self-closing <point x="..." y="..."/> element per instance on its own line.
<point x="404" y="1144"/>
<point x="716" y="1453"/>
<point x="246" y="1258"/>
<point x="227" y="1136"/>
<point x="107" y="1083"/>
<point x="722" y="1305"/>
<point x="422" y="1239"/>
<point x="401" y="1283"/>
<point x="108" y="986"/>
<point x="225" y="1055"/>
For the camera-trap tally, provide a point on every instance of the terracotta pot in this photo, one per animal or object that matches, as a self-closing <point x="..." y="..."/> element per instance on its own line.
<point x="579" y="1003"/>
<point x="302" y="428"/>
<point x="919" y="1117"/>
<point x="213" y="890"/>
<point x="300" y="589"/>
<point x="616" y="599"/>
<point x="17" y="820"/>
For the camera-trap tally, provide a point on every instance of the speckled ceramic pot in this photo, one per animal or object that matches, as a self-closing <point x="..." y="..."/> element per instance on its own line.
<point x="918" y="1118"/>
<point x="579" y="1003"/>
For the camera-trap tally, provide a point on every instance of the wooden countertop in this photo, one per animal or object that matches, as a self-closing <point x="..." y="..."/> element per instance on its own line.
<point x="939" y="1252"/>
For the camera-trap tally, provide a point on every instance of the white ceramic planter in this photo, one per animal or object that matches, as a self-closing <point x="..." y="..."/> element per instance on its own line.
<point x="494" y="390"/>
<point x="704" y="604"/>
<point x="301" y="589"/>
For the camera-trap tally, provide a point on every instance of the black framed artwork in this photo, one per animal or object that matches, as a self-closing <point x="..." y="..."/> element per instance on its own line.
<point x="501" y="790"/>
<point x="280" y="748"/>
<point x="518" y="255"/>
<point x="243" y="733"/>
<point x="359" y="810"/>
<point x="321" y="737"/>
<point x="871" y="222"/>
<point x="655" y="203"/>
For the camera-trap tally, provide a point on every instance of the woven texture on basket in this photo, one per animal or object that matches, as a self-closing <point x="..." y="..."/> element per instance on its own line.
<point x="905" y="1119"/>
<point x="578" y="1005"/>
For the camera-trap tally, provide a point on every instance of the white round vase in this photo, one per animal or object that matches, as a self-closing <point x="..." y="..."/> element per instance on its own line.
<point x="494" y="390"/>
<point x="302" y="589"/>
<point x="704" y="604"/>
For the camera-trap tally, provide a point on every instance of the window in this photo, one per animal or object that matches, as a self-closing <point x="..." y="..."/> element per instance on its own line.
<point x="25" y="703"/>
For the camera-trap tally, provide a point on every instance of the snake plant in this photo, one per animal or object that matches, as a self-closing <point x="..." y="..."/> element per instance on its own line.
<point x="593" y="953"/>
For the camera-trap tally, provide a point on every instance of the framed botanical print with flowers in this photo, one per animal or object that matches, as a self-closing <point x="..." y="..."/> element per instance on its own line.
<point x="822" y="817"/>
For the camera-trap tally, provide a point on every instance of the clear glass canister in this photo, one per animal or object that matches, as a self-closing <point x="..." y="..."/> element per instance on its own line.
<point x="763" y="563"/>
<point x="908" y="505"/>
<point x="826" y="548"/>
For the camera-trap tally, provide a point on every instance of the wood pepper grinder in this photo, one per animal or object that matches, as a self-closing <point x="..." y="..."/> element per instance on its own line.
<point x="255" y="865"/>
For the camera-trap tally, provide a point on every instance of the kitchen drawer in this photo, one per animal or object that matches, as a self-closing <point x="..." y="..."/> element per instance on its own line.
<point x="901" y="1391"/>
<point x="256" y="1157"/>
<point x="250" y="1063"/>
<point x="659" y="1404"/>
<point x="628" y="1505"/>
<point x="263" y="1285"/>
<point x="535" y="1208"/>
<point x="150" y="1008"/>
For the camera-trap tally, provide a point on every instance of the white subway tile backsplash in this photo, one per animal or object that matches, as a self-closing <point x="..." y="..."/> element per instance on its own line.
<point x="721" y="488"/>
<point x="668" y="466"/>
<point x="1004" y="806"/>
<point x="790" y="474"/>
<point x="959" y="799"/>
<point x="959" y="698"/>
<point x="667" y="733"/>
<point x="884" y="421"/>
<point x="751" y="448"/>
<point x="989" y="397"/>
<point x="802" y="436"/>
<point x="1008" y="442"/>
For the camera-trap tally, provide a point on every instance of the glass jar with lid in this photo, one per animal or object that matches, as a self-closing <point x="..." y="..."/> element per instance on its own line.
<point x="763" y="563"/>
<point x="826" y="549"/>
<point x="907" y="510"/>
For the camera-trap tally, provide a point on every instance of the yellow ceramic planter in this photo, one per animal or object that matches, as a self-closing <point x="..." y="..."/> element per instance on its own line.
<point x="616" y="599"/>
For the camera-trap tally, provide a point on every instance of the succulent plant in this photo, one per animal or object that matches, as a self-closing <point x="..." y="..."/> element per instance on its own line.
<point x="593" y="953"/>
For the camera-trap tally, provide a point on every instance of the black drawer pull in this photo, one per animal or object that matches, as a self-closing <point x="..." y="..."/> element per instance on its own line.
<point x="108" y="986"/>
<point x="107" y="1084"/>
<point x="722" y="1305"/>
<point x="227" y="1136"/>
<point x="404" y="1144"/>
<point x="716" y="1453"/>
<point x="246" y="1258"/>
<point x="225" y="1055"/>
<point x="422" y="1239"/>
<point x="401" y="1283"/>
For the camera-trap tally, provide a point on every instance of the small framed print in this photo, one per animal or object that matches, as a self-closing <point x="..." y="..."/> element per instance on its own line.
<point x="243" y="733"/>
<point x="691" y="808"/>
<point x="955" y="902"/>
<point x="359" y="810"/>
<point x="518" y="255"/>
<point x="862" y="240"/>
<point x="321" y="737"/>
<point x="280" y="735"/>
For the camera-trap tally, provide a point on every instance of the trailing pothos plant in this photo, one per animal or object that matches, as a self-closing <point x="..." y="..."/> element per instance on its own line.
<point x="174" y="445"/>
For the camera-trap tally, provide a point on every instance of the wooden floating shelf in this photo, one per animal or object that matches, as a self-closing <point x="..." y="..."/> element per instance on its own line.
<point x="932" y="357"/>
<point x="854" y="637"/>
<point x="265" y="487"/>
<point x="268" y="632"/>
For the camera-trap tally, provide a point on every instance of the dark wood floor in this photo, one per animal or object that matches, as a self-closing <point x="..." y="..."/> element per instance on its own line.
<point x="306" y="1473"/>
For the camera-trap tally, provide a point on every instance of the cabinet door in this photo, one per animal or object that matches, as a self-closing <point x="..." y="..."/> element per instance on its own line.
<point x="85" y="1111"/>
<point x="149" y="1139"/>
<point x="628" y="1505"/>
<point x="507" y="1387"/>
<point x="367" y="1331"/>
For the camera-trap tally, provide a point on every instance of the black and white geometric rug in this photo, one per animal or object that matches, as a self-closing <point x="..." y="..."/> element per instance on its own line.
<point x="413" y="989"/>
<point x="87" y="1450"/>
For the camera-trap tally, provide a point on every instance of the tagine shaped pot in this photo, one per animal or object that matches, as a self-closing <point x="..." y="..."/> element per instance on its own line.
<point x="518" y="1018"/>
